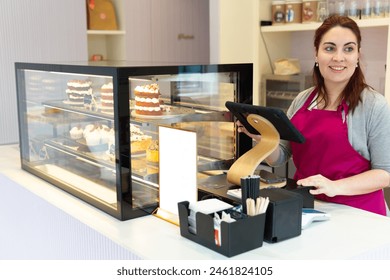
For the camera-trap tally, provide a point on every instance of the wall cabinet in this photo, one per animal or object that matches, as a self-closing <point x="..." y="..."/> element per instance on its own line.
<point x="166" y="31"/>
<point x="80" y="130"/>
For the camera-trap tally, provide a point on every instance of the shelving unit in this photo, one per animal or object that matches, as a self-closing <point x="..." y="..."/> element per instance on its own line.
<point x="287" y="40"/>
<point x="109" y="43"/>
<point x="363" y="23"/>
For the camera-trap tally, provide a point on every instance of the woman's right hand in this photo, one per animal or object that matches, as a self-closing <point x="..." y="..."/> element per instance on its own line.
<point x="242" y="129"/>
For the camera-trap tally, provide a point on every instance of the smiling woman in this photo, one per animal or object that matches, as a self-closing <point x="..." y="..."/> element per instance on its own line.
<point x="345" y="123"/>
<point x="337" y="73"/>
<point x="337" y="59"/>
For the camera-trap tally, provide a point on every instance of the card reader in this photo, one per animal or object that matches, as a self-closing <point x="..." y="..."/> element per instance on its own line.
<point x="310" y="215"/>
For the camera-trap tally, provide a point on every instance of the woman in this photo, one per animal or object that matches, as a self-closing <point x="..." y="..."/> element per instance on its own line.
<point x="346" y="155"/>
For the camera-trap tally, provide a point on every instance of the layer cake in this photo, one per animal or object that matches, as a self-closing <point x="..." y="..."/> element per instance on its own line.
<point x="147" y="100"/>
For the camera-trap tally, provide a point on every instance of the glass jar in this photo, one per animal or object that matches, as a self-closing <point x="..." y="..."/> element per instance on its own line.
<point x="365" y="9"/>
<point x="278" y="12"/>
<point x="309" y="10"/>
<point x="322" y="10"/>
<point x="293" y="11"/>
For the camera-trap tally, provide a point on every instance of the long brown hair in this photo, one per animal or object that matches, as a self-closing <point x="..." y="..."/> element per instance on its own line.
<point x="356" y="83"/>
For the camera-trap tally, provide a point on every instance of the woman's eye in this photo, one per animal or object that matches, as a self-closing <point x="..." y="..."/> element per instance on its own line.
<point x="349" y="49"/>
<point x="329" y="49"/>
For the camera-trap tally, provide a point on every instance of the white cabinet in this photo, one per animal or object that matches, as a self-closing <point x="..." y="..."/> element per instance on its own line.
<point x="296" y="41"/>
<point x="168" y="31"/>
<point x="164" y="31"/>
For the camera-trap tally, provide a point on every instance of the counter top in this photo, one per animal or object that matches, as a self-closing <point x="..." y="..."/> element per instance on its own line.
<point x="349" y="234"/>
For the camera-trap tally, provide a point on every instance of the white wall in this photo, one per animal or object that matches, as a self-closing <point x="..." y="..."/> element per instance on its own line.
<point x="235" y="34"/>
<point x="35" y="31"/>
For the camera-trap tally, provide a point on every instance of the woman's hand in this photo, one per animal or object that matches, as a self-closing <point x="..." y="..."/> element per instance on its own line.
<point x="365" y="182"/>
<point x="242" y="129"/>
<point x="322" y="185"/>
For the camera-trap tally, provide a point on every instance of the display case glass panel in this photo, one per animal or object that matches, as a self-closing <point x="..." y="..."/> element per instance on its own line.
<point x="92" y="129"/>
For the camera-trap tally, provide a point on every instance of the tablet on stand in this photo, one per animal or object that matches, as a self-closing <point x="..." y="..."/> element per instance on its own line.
<point x="272" y="124"/>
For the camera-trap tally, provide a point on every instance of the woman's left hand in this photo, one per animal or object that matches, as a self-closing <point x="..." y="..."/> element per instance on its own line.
<point x="322" y="185"/>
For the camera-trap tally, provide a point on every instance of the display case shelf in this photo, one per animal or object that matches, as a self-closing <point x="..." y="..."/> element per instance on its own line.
<point x="81" y="112"/>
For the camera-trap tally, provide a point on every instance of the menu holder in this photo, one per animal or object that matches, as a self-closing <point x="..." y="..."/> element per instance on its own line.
<point x="177" y="171"/>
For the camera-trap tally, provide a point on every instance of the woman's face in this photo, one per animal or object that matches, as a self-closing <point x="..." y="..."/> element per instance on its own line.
<point x="338" y="55"/>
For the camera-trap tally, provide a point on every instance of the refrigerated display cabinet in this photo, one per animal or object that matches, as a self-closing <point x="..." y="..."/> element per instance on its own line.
<point x="94" y="145"/>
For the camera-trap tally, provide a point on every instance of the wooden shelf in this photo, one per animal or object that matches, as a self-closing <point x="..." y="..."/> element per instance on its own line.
<point x="106" y="32"/>
<point x="291" y="27"/>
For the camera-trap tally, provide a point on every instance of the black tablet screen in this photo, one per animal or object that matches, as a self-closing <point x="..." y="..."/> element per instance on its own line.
<point x="276" y="116"/>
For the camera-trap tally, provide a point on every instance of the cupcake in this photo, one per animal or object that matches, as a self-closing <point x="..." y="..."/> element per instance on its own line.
<point x="93" y="138"/>
<point x="96" y="136"/>
<point x="76" y="132"/>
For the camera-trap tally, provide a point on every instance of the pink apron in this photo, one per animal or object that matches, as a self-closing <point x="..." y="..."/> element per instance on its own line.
<point x="328" y="152"/>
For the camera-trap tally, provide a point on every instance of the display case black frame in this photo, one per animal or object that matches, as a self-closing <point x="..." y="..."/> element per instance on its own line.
<point x="120" y="73"/>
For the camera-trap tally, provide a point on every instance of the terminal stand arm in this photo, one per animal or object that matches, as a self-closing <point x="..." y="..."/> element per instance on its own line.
<point x="246" y="164"/>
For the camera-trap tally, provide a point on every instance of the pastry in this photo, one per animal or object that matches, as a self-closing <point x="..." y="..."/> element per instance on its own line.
<point x="76" y="132"/>
<point x="152" y="152"/>
<point x="96" y="134"/>
<point x="147" y="100"/>
<point x="139" y="142"/>
<point x="107" y="99"/>
<point x="76" y="91"/>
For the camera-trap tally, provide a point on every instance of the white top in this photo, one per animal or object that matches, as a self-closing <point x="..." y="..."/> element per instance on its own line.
<point x="349" y="234"/>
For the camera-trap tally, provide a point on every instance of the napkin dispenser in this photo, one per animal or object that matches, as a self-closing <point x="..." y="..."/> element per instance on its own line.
<point x="245" y="234"/>
<point x="283" y="216"/>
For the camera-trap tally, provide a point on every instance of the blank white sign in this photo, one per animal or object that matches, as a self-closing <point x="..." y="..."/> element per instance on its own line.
<point x="178" y="167"/>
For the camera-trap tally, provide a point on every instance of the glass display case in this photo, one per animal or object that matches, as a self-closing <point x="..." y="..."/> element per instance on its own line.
<point x="91" y="129"/>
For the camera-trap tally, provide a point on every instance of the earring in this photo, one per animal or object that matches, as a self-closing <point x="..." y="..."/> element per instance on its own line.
<point x="317" y="64"/>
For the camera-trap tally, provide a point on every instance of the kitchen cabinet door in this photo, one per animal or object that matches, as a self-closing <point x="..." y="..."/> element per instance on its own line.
<point x="168" y="31"/>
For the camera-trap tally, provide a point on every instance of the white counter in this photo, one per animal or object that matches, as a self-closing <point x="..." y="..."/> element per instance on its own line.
<point x="349" y="234"/>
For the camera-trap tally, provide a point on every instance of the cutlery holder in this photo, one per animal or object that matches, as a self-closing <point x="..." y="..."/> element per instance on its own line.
<point x="283" y="216"/>
<point x="237" y="237"/>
